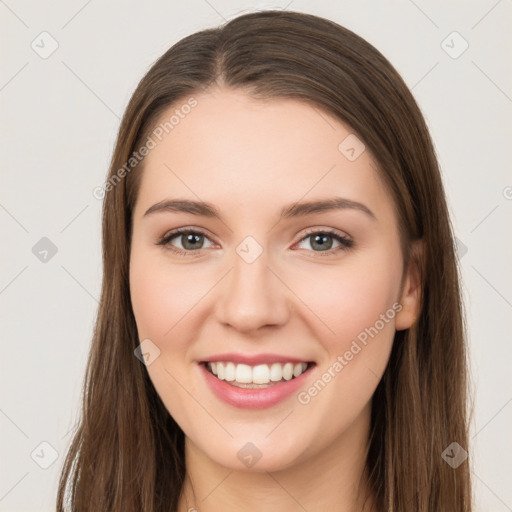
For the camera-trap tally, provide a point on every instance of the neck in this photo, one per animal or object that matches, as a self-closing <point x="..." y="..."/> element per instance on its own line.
<point x="333" y="479"/>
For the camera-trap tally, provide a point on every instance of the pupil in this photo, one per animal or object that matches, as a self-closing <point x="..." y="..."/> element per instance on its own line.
<point x="321" y="241"/>
<point x="191" y="238"/>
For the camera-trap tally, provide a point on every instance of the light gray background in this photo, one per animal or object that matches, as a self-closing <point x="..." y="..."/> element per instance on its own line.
<point x="59" y="118"/>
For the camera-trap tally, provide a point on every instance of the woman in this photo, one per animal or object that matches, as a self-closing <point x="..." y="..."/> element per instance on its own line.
<point x="280" y="325"/>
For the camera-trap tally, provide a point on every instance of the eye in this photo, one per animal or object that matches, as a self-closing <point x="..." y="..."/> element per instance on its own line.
<point x="191" y="240"/>
<point x="323" y="241"/>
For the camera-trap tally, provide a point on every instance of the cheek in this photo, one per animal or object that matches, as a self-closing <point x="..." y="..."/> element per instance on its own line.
<point x="351" y="296"/>
<point x="147" y="290"/>
<point x="163" y="298"/>
<point x="357" y="302"/>
<point x="161" y="294"/>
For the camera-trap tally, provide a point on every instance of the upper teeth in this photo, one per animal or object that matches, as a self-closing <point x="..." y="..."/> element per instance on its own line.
<point x="260" y="374"/>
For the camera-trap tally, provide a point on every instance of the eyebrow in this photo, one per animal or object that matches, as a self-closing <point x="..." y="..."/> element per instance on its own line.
<point x="293" y="210"/>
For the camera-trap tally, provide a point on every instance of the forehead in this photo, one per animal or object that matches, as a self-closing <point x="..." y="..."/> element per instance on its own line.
<point x="231" y="149"/>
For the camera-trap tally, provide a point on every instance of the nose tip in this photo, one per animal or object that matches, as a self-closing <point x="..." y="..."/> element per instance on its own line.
<point x="252" y="297"/>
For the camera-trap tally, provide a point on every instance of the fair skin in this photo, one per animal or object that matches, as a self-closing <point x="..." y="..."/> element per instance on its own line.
<point x="251" y="158"/>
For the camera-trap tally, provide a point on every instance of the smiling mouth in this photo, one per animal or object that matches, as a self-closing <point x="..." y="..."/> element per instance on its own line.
<point x="258" y="376"/>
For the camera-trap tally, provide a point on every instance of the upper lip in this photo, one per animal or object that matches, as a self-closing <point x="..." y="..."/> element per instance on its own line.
<point x="254" y="359"/>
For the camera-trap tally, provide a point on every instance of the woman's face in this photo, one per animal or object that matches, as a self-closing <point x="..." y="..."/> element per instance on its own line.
<point x="268" y="294"/>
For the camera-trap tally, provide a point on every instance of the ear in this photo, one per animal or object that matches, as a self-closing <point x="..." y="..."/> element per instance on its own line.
<point x="411" y="290"/>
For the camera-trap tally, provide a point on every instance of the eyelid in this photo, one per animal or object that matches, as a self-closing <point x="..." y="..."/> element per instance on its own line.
<point x="326" y="230"/>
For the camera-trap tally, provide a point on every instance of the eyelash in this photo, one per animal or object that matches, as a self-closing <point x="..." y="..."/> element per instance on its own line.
<point x="346" y="243"/>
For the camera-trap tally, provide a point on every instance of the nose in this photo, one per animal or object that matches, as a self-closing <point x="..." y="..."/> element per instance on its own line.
<point x="253" y="296"/>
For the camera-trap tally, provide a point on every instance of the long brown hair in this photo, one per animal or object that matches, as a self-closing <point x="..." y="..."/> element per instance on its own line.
<point x="127" y="453"/>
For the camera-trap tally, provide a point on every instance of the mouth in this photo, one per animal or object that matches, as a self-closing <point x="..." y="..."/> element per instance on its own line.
<point x="255" y="381"/>
<point x="260" y="376"/>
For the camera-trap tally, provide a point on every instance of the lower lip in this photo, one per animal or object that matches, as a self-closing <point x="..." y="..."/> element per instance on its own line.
<point x="247" y="398"/>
